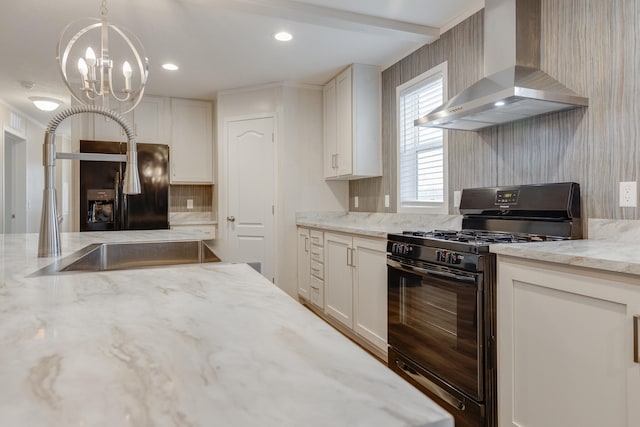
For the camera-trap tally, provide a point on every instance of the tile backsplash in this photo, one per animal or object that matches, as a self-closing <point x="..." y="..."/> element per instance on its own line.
<point x="201" y="195"/>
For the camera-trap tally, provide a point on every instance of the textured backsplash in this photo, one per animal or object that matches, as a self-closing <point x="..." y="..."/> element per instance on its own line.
<point x="202" y="196"/>
<point x="589" y="45"/>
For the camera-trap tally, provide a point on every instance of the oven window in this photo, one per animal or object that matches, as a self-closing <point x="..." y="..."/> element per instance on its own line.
<point x="436" y="321"/>
<point x="435" y="307"/>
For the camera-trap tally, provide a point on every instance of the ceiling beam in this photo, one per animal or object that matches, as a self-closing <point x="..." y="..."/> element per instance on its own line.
<point x="334" y="18"/>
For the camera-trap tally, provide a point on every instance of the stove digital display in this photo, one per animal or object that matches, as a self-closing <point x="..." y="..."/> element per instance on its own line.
<point x="507" y="197"/>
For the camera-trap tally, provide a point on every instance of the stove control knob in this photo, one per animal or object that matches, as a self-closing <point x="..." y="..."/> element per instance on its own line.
<point x="441" y="256"/>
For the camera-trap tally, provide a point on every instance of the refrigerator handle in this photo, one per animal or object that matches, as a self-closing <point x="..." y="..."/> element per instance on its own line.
<point x="116" y="202"/>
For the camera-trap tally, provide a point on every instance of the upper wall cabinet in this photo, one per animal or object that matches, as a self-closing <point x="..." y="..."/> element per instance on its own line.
<point x="352" y="140"/>
<point x="191" y="142"/>
<point x="149" y="122"/>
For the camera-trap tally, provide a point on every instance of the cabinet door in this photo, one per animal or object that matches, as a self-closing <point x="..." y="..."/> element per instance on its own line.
<point x="150" y="120"/>
<point x="330" y="129"/>
<point x="344" y="123"/>
<point x="191" y="142"/>
<point x="338" y="278"/>
<point x="304" y="257"/>
<point x="565" y="346"/>
<point x="370" y="289"/>
<point x="105" y="129"/>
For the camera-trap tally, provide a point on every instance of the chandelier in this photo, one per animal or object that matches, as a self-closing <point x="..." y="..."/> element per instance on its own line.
<point x="89" y="69"/>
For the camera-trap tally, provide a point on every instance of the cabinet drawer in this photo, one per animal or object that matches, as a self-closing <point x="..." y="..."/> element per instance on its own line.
<point x="317" y="253"/>
<point x="317" y="238"/>
<point x="317" y="270"/>
<point x="316" y="292"/>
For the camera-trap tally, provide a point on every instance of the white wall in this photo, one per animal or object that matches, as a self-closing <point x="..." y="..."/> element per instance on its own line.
<point x="33" y="133"/>
<point x="299" y="181"/>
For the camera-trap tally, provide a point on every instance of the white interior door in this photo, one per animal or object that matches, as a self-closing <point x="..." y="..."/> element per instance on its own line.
<point x="15" y="184"/>
<point x="251" y="201"/>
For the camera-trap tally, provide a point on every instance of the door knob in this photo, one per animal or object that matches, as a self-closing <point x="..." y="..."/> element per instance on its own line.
<point x="231" y="218"/>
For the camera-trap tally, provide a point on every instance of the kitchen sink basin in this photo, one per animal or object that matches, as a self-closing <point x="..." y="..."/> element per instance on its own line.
<point x="123" y="256"/>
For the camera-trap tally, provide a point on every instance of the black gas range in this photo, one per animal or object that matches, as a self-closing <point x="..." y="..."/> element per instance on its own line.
<point x="441" y="292"/>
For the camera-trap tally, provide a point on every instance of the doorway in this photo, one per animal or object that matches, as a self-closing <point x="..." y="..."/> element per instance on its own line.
<point x="14" y="184"/>
<point x="250" y="218"/>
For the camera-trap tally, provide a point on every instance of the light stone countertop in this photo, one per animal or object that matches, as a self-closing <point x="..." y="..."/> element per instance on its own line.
<point x="613" y="256"/>
<point x="376" y="224"/>
<point x="613" y="246"/>
<point x="192" y="345"/>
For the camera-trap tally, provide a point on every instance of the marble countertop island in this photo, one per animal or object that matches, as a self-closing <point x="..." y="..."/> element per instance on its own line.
<point x="192" y="345"/>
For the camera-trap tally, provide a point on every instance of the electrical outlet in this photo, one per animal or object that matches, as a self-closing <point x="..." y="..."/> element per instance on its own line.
<point x="355" y="202"/>
<point x="189" y="203"/>
<point x="457" y="196"/>
<point x="628" y="194"/>
<point x="386" y="200"/>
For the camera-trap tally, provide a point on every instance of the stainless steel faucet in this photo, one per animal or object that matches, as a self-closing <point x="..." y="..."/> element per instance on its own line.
<point x="49" y="240"/>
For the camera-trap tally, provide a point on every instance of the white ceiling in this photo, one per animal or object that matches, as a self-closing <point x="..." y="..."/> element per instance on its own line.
<point x="223" y="44"/>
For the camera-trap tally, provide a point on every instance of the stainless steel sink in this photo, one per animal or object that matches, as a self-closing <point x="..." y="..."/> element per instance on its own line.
<point x="123" y="256"/>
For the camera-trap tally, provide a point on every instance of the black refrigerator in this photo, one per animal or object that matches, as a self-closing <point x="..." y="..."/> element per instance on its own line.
<point x="104" y="207"/>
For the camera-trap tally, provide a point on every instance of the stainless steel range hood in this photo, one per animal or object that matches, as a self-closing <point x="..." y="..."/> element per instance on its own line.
<point x="514" y="87"/>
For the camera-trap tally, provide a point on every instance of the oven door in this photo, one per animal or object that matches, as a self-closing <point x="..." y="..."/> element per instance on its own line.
<point x="436" y="320"/>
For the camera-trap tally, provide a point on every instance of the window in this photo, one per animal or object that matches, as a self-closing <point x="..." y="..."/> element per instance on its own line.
<point x="421" y="151"/>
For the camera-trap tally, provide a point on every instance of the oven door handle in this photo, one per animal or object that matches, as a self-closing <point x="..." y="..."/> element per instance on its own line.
<point x="413" y="269"/>
<point x="431" y="386"/>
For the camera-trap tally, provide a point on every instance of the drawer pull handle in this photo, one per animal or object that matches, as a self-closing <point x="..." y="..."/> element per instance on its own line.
<point x="636" y="328"/>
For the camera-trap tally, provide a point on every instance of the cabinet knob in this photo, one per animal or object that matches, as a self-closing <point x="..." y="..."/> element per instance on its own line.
<point x="231" y="218"/>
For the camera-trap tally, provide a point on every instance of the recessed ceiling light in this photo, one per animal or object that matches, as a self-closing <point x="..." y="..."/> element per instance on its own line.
<point x="170" y="67"/>
<point x="283" y="36"/>
<point x="44" y="104"/>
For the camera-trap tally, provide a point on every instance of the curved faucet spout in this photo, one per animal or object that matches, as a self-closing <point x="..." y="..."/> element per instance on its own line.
<point x="49" y="239"/>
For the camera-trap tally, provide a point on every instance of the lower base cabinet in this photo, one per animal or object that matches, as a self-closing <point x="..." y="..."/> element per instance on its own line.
<point x="356" y="285"/>
<point x="567" y="340"/>
<point x="344" y="279"/>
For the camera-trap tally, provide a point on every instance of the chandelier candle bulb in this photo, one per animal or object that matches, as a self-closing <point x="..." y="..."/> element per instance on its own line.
<point x="126" y="70"/>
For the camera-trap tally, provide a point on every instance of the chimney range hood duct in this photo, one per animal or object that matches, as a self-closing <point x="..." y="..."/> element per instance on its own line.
<point x="514" y="87"/>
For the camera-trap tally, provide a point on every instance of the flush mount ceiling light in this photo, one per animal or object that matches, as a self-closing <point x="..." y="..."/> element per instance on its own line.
<point x="283" y="36"/>
<point x="88" y="74"/>
<point x="44" y="104"/>
<point x="169" y="66"/>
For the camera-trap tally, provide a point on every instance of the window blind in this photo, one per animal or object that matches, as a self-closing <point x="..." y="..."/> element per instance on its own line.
<point x="421" y="151"/>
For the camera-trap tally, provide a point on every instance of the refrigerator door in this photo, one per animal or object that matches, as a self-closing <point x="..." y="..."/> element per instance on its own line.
<point x="146" y="211"/>
<point x="149" y="210"/>
<point x="99" y="182"/>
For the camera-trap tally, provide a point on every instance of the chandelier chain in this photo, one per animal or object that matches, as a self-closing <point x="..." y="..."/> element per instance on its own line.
<point x="103" y="8"/>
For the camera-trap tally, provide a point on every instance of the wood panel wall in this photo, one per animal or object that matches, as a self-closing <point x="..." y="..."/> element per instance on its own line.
<point x="592" y="46"/>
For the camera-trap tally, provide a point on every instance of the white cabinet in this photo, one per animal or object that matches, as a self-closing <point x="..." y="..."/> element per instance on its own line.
<point x="208" y="229"/>
<point x="149" y="122"/>
<point x="330" y="129"/>
<point x="370" y="290"/>
<point x="191" y="142"/>
<point x="356" y="285"/>
<point x="316" y="280"/>
<point x="352" y="131"/>
<point x="566" y="346"/>
<point x="304" y="263"/>
<point x="311" y="266"/>
<point x="339" y="278"/>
